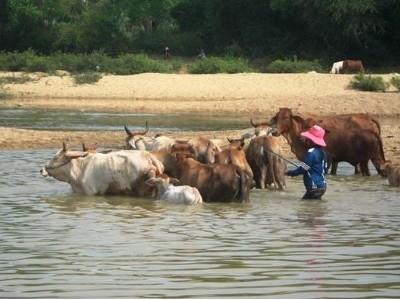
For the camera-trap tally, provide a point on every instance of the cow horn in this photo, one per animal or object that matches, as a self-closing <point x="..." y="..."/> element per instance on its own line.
<point x="84" y="147"/>
<point x="128" y="132"/>
<point x="64" y="147"/>
<point x="229" y="140"/>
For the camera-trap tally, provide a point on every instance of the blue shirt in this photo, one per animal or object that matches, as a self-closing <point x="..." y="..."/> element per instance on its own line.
<point x="313" y="178"/>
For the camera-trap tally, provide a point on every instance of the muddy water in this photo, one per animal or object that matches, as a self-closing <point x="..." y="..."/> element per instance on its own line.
<point x="73" y="120"/>
<point x="56" y="244"/>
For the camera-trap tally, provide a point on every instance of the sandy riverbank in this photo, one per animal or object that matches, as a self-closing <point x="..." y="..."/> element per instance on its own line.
<point x="253" y="95"/>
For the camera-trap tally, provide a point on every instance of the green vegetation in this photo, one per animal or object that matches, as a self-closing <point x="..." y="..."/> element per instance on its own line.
<point x="368" y="83"/>
<point x="84" y="63"/>
<point x="293" y="66"/>
<point x="395" y="81"/>
<point x="214" y="65"/>
<point x="15" y="79"/>
<point x="3" y="94"/>
<point x="87" y="78"/>
<point x="309" y="29"/>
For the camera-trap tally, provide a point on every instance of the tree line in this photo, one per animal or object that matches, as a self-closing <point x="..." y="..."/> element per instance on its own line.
<point x="306" y="29"/>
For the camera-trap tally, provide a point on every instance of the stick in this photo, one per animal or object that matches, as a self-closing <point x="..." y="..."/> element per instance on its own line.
<point x="301" y="164"/>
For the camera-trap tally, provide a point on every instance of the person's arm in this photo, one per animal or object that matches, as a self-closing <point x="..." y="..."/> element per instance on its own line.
<point x="300" y="170"/>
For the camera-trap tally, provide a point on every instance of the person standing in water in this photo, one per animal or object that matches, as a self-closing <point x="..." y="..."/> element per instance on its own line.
<point x="313" y="169"/>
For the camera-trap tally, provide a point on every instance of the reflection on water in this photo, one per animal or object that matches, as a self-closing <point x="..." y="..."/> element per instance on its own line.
<point x="93" y="121"/>
<point x="57" y="244"/>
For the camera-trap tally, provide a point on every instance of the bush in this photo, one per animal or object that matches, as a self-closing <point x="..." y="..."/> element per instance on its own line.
<point x="395" y="81"/>
<point x="293" y="66"/>
<point x="87" y="78"/>
<point x="368" y="83"/>
<point x="135" y="64"/>
<point x="213" y="65"/>
<point x="15" y="79"/>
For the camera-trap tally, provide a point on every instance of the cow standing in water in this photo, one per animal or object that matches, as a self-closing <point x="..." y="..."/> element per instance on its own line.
<point x="166" y="191"/>
<point x="120" y="172"/>
<point x="351" y="138"/>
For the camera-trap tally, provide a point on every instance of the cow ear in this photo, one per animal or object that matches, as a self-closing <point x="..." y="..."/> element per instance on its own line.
<point x="64" y="147"/>
<point x="174" y="181"/>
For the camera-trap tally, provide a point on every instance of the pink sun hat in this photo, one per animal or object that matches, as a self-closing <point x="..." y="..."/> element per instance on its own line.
<point x="315" y="134"/>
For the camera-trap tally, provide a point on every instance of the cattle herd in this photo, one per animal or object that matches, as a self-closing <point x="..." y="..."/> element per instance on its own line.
<point x="213" y="170"/>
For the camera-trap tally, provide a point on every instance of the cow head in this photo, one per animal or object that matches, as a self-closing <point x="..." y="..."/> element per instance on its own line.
<point x="57" y="165"/>
<point x="236" y="143"/>
<point x="283" y="121"/>
<point x="260" y="128"/>
<point x="134" y="140"/>
<point x="161" y="183"/>
<point x="183" y="148"/>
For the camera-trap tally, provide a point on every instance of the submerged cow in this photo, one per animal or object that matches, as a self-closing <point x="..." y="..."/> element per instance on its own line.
<point x="168" y="192"/>
<point x="215" y="182"/>
<point x="119" y="172"/>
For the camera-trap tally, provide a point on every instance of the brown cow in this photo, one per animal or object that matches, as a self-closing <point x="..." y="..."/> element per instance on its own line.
<point x="236" y="156"/>
<point x="346" y="139"/>
<point x="268" y="169"/>
<point x="203" y="149"/>
<point x="392" y="172"/>
<point x="216" y="182"/>
<point x="352" y="66"/>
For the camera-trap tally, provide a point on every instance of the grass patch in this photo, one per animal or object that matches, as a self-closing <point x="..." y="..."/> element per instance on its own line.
<point x="213" y="65"/>
<point x="87" y="78"/>
<point x="368" y="83"/>
<point x="395" y="81"/>
<point x="15" y="79"/>
<point x="4" y="94"/>
<point x="293" y="66"/>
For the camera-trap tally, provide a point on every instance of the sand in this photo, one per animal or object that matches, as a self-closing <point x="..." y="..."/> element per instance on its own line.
<point x="254" y="95"/>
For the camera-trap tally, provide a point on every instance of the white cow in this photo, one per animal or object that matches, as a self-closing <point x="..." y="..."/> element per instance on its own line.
<point x="166" y="191"/>
<point x="119" y="172"/>
<point x="138" y="141"/>
<point x="337" y="67"/>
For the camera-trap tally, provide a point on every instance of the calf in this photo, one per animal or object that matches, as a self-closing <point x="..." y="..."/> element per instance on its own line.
<point x="166" y="191"/>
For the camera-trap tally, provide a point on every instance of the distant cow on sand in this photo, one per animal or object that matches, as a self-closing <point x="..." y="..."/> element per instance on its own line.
<point x="347" y="66"/>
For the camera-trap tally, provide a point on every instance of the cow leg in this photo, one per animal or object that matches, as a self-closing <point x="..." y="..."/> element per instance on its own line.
<point x="263" y="177"/>
<point x="377" y="167"/>
<point x="357" y="169"/>
<point x="364" y="169"/>
<point x="334" y="167"/>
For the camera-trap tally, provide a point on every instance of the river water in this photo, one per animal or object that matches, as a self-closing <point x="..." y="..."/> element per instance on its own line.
<point x="54" y="244"/>
<point x="93" y="121"/>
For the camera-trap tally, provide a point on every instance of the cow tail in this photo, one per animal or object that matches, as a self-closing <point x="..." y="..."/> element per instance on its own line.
<point x="377" y="125"/>
<point x="380" y="146"/>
